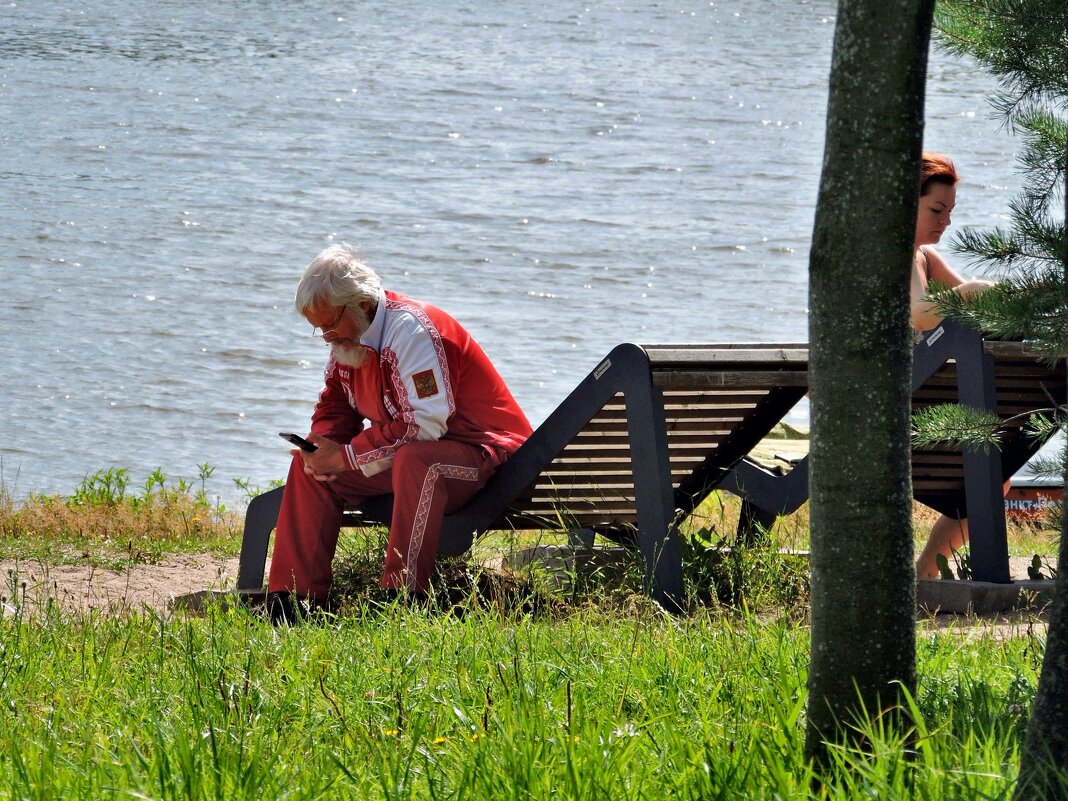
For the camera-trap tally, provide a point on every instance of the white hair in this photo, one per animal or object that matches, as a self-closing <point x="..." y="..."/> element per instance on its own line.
<point x="337" y="276"/>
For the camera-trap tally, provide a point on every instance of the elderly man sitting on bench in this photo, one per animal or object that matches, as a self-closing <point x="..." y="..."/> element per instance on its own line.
<point x="411" y="406"/>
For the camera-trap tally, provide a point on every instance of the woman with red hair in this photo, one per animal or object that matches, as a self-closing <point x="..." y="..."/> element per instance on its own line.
<point x="938" y="196"/>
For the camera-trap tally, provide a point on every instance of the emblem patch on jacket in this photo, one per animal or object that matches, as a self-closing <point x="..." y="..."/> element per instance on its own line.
<point x="426" y="385"/>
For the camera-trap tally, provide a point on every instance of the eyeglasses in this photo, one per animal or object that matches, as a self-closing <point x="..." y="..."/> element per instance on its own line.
<point x="322" y="334"/>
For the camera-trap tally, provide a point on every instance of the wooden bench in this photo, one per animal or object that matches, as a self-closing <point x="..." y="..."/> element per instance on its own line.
<point x="652" y="430"/>
<point x="636" y="446"/>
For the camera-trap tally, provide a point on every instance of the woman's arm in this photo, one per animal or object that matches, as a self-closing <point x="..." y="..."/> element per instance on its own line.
<point x="925" y="314"/>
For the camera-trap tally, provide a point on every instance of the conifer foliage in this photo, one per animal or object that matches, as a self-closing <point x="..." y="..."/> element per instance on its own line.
<point x="1025" y="44"/>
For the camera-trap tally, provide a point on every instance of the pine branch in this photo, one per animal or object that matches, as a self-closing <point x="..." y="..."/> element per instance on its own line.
<point x="953" y="424"/>
<point x="1031" y="66"/>
<point x="1044" y="426"/>
<point x="1004" y="249"/>
<point x="967" y="427"/>
<point x="1023" y="306"/>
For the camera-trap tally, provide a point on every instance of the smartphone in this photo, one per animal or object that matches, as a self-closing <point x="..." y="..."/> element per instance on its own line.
<point x="299" y="441"/>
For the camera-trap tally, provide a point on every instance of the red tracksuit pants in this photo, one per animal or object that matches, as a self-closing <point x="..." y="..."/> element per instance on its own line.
<point x="428" y="480"/>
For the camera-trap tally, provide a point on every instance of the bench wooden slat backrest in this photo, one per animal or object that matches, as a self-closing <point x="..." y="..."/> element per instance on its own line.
<point x="1021" y="385"/>
<point x="718" y="401"/>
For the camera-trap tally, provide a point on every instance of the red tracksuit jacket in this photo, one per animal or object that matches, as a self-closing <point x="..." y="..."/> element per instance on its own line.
<point x="427" y="379"/>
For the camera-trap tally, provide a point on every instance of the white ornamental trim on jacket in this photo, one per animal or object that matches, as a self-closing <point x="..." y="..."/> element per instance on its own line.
<point x="410" y="344"/>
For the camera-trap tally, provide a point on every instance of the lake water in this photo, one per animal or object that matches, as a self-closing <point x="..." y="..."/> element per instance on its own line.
<point x="560" y="176"/>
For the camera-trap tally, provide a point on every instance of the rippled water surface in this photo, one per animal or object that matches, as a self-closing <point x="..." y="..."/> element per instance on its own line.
<point x="560" y="176"/>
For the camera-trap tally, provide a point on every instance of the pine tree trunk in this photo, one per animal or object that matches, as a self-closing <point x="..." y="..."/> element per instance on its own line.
<point x="1044" y="760"/>
<point x="863" y="587"/>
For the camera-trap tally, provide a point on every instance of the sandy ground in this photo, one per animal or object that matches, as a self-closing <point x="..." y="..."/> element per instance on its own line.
<point x="83" y="588"/>
<point x="155" y="587"/>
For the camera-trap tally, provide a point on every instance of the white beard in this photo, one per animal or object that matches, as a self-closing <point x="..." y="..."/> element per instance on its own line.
<point x="352" y="355"/>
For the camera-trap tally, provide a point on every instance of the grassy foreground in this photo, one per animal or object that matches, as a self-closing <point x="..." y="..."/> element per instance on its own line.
<point x="563" y="696"/>
<point x="403" y="704"/>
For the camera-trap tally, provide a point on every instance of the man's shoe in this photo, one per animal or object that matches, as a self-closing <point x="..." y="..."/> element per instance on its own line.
<point x="286" y="609"/>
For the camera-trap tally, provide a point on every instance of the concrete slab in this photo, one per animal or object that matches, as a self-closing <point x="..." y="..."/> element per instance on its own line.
<point x="564" y="563"/>
<point x="934" y="596"/>
<point x="198" y="601"/>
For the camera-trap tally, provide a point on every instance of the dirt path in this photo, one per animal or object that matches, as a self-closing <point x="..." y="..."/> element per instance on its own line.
<point x="31" y="584"/>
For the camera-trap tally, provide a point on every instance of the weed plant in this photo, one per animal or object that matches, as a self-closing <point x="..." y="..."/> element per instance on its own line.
<point x="761" y="578"/>
<point x="107" y="521"/>
<point x="457" y="581"/>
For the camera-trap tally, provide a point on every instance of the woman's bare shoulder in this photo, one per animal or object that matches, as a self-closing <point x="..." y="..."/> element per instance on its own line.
<point x="938" y="268"/>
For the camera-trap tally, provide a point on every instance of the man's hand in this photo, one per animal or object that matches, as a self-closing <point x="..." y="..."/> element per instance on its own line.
<point x="324" y="464"/>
